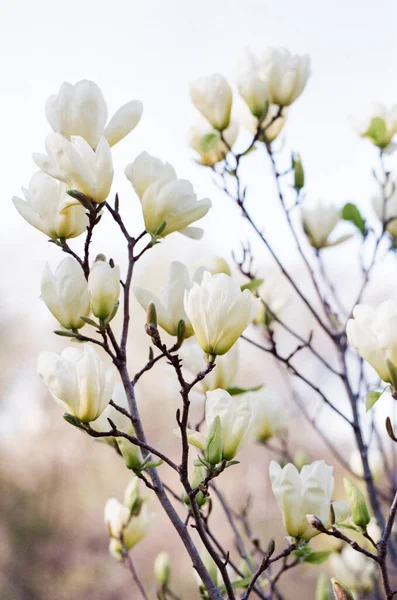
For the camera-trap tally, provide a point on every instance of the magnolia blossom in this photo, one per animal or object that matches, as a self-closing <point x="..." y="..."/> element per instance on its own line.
<point x="354" y="569"/>
<point x="372" y="334"/>
<point x="213" y="97"/>
<point x="255" y="92"/>
<point x="207" y="142"/>
<point x="269" y="127"/>
<point x="273" y="300"/>
<point x="169" y="306"/>
<point x="319" y="221"/>
<point x="269" y="414"/>
<point x="216" y="264"/>
<point x="65" y="293"/>
<point x="305" y="493"/>
<point x="386" y="209"/>
<point x="221" y="376"/>
<point x="46" y="208"/>
<point x="162" y="568"/>
<point x="81" y="110"/>
<point x="234" y="414"/>
<point x="377" y="123"/>
<point x="131" y="524"/>
<point x="219" y="312"/>
<point x="147" y="169"/>
<point x="104" y="287"/>
<point x="375" y="459"/>
<point x="78" y="380"/>
<point x="77" y="164"/>
<point x="285" y="74"/>
<point x="130" y="452"/>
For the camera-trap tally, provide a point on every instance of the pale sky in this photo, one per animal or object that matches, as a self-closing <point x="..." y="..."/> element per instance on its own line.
<point x="150" y="50"/>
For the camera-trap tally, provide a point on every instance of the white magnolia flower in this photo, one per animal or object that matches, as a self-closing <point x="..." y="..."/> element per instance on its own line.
<point x="175" y="204"/>
<point x="78" y="381"/>
<point x="271" y="125"/>
<point x="255" y="92"/>
<point x="386" y="211"/>
<point x="372" y="333"/>
<point x="162" y="568"/>
<point x="221" y="376"/>
<point x="104" y="287"/>
<point x="319" y="220"/>
<point x="45" y="207"/>
<point x="235" y="414"/>
<point x="207" y="142"/>
<point x="213" y="97"/>
<point x="77" y="164"/>
<point x="65" y="293"/>
<point x="285" y="74"/>
<point x="305" y="493"/>
<point x="81" y="110"/>
<point x="169" y="306"/>
<point x="124" y="523"/>
<point x="269" y="414"/>
<point x="219" y="312"/>
<point x="375" y="459"/>
<point x="216" y="264"/>
<point x="147" y="169"/>
<point x="274" y="300"/>
<point x="377" y="123"/>
<point x="354" y="569"/>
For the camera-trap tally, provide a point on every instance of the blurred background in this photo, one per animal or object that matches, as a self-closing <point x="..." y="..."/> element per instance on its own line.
<point x="53" y="481"/>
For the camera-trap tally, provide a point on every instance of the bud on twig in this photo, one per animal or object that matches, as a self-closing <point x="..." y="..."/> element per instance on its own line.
<point x="358" y="505"/>
<point x="299" y="174"/>
<point x="151" y="318"/>
<point x="341" y="592"/>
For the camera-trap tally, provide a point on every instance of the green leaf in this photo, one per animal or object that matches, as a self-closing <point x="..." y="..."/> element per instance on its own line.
<point x="74" y="421"/>
<point x="231" y="463"/>
<point x="209" y="141"/>
<point x="351" y="213"/>
<point x="377" y="132"/>
<point x="371" y="399"/>
<point x="316" y="558"/>
<point x="89" y="321"/>
<point x="238" y="583"/>
<point x="151" y="464"/>
<point x="252" y="285"/>
<point x="235" y="391"/>
<point x="64" y="333"/>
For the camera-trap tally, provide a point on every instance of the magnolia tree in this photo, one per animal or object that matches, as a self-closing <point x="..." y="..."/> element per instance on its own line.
<point x="206" y="313"/>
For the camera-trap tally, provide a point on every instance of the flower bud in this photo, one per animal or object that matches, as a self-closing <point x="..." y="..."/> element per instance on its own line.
<point x="151" y="314"/>
<point x="299" y="174"/>
<point x="377" y="123"/>
<point x="130" y="452"/>
<point x="212" y="96"/>
<point x="162" y="569"/>
<point x="213" y="448"/>
<point x="197" y="476"/>
<point x="104" y="288"/>
<point x="324" y="588"/>
<point x="341" y="592"/>
<point x="358" y="505"/>
<point x="256" y="94"/>
<point x="131" y="495"/>
<point x="319" y="220"/>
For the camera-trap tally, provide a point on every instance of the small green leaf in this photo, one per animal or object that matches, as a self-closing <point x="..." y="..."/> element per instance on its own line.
<point x="351" y="213"/>
<point x="64" y="333"/>
<point x="238" y="583"/>
<point x="151" y="464"/>
<point x="371" y="399"/>
<point x="209" y="141"/>
<point x="235" y="391"/>
<point x="72" y="420"/>
<point x="230" y="463"/>
<point x="252" y="285"/>
<point x="89" y="321"/>
<point x="316" y="558"/>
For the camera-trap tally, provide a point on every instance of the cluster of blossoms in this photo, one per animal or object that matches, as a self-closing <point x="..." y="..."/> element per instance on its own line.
<point x="206" y="311"/>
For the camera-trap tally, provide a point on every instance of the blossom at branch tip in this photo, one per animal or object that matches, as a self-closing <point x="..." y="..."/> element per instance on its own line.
<point x="255" y="92"/>
<point x="318" y="221"/>
<point x="103" y="287"/>
<point x="228" y="420"/>
<point x="78" y="380"/>
<point x="385" y="205"/>
<point x="221" y="376"/>
<point x="170" y="305"/>
<point x="79" y="166"/>
<point x="65" y="293"/>
<point x="285" y="74"/>
<point x="269" y="414"/>
<point x="372" y="332"/>
<point x="378" y="124"/>
<point x="162" y="569"/>
<point x="208" y="142"/>
<point x="47" y="208"/>
<point x="305" y="493"/>
<point x="219" y="312"/>
<point x="145" y="170"/>
<point x="213" y="97"/>
<point x="81" y="110"/>
<point x="129" y="522"/>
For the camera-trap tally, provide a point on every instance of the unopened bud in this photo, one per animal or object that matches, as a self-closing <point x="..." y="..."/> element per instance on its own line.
<point x="181" y="332"/>
<point x="198" y="475"/>
<point x="214" y="445"/>
<point x="162" y="569"/>
<point x="357" y="503"/>
<point x="314" y="522"/>
<point x="271" y="547"/>
<point x="131" y="494"/>
<point x="151" y="318"/>
<point x="324" y="588"/>
<point x="341" y="592"/>
<point x="299" y="174"/>
<point x="130" y="452"/>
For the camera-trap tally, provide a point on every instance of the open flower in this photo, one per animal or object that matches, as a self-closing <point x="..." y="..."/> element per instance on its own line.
<point x="81" y="110"/>
<point x="213" y="97"/>
<point x="207" y="142"/>
<point x="319" y="220"/>
<point x="170" y="307"/>
<point x="219" y="312"/>
<point x="147" y="169"/>
<point x="65" y="293"/>
<point x="377" y="123"/>
<point x="221" y="376"/>
<point x="78" y="381"/>
<point x="372" y="332"/>
<point x="228" y="419"/>
<point x="269" y="414"/>
<point x="46" y="208"/>
<point x="77" y="164"/>
<point x="303" y="494"/>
